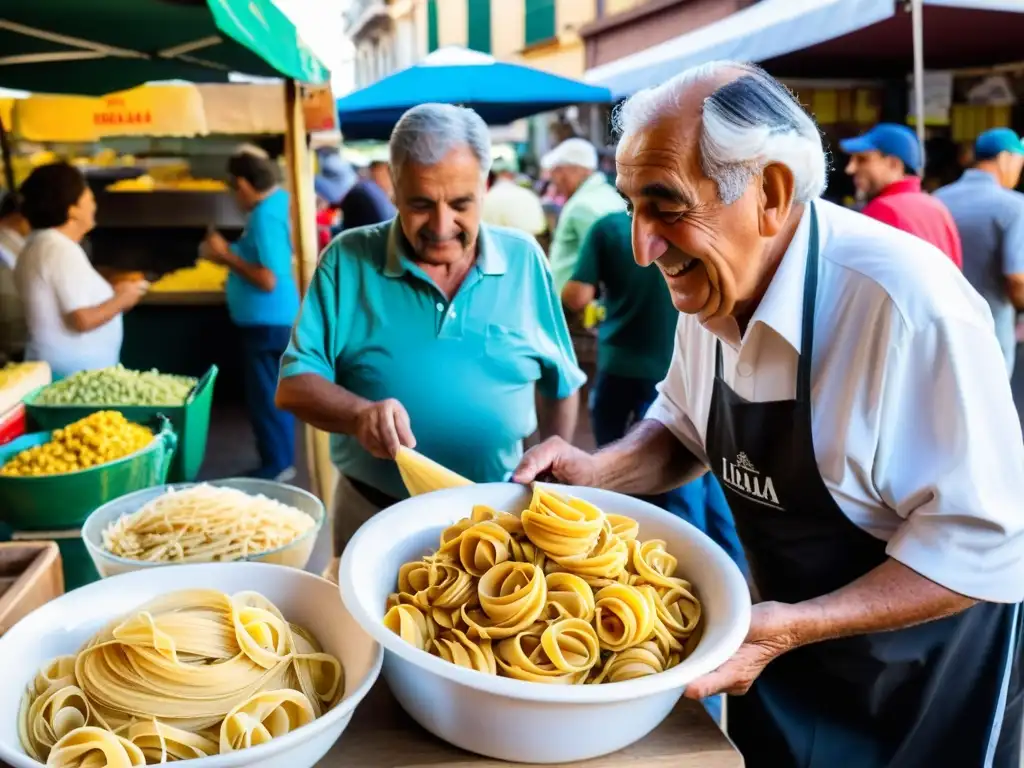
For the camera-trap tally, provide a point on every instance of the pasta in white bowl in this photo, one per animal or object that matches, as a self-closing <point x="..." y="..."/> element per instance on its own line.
<point x="218" y="521"/>
<point x="517" y="718"/>
<point x="274" y="695"/>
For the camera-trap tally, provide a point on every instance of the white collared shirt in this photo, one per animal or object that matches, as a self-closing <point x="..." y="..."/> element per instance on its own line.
<point x="915" y="431"/>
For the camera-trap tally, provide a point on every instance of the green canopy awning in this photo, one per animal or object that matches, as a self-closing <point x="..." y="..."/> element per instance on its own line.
<point x="98" y="46"/>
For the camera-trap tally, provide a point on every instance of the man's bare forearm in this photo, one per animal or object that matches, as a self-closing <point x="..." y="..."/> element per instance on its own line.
<point x="649" y="460"/>
<point x="891" y="596"/>
<point x="557" y="418"/>
<point x="320" y="403"/>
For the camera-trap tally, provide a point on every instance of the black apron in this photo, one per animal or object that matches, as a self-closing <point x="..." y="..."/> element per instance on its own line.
<point x="943" y="694"/>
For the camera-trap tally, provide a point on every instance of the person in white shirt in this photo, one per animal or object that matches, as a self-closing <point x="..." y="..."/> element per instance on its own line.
<point x="845" y="386"/>
<point x="73" y="315"/>
<point x="13" y="229"/>
<point x="507" y="204"/>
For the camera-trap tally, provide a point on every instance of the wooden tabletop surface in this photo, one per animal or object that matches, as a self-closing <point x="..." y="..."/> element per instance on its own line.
<point x="381" y="735"/>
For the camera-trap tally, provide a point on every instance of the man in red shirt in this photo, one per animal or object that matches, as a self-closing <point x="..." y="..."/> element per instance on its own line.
<point x="885" y="164"/>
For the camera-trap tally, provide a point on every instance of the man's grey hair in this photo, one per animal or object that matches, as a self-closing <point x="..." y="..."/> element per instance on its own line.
<point x="748" y="123"/>
<point x="425" y="134"/>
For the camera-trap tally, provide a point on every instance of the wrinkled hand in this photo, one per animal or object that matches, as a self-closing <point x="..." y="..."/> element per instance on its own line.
<point x="771" y="634"/>
<point x="555" y="456"/>
<point x="382" y="428"/>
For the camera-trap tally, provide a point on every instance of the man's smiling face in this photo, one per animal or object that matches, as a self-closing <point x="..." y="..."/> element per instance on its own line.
<point x="707" y="251"/>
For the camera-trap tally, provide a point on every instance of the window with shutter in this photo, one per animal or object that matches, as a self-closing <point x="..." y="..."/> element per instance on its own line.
<point x="540" y="21"/>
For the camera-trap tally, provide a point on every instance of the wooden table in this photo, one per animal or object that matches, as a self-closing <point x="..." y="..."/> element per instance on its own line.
<point x="381" y="735"/>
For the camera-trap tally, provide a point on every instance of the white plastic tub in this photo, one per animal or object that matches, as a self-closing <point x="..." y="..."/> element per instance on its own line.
<point x="63" y="625"/>
<point x="294" y="555"/>
<point x="521" y="721"/>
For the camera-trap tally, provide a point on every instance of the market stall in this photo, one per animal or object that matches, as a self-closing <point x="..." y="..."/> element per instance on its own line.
<point x="64" y="48"/>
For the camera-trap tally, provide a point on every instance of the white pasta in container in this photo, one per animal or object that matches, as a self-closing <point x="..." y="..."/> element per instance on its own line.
<point x="219" y="521"/>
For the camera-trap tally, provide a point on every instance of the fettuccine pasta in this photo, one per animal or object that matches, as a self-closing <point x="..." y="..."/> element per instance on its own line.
<point x="205" y="523"/>
<point x="562" y="594"/>
<point x="188" y="675"/>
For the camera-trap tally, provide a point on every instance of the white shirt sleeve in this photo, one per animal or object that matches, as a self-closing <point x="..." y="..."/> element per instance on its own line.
<point x="71" y="277"/>
<point x="669" y="407"/>
<point x="950" y="459"/>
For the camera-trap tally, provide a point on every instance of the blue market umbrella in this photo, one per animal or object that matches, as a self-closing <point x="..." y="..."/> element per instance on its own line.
<point x="499" y="92"/>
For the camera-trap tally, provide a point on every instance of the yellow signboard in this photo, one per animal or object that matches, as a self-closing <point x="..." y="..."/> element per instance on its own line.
<point x="149" y="110"/>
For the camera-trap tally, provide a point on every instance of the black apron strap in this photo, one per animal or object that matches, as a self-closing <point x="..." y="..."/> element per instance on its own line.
<point x="803" y="376"/>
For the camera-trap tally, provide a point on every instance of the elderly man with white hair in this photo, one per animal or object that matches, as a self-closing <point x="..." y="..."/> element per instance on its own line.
<point x="844" y="384"/>
<point x="430" y="331"/>
<point x="573" y="166"/>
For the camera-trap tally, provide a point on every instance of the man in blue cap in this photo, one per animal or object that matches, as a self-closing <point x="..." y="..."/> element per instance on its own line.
<point x="361" y="201"/>
<point x="886" y="166"/>
<point x="990" y="216"/>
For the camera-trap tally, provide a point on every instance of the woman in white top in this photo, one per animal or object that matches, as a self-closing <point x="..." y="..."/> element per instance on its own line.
<point x="73" y="315"/>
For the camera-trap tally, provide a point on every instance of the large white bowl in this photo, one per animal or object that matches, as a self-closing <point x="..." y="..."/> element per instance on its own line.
<point x="295" y="555"/>
<point x="63" y="625"/>
<point x="521" y="721"/>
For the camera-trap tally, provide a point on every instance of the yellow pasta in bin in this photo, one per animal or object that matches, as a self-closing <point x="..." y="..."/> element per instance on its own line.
<point x="562" y="594"/>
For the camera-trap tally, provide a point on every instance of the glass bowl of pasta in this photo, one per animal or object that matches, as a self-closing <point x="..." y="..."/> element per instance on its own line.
<point x="223" y="664"/>
<point x="543" y="625"/>
<point x="218" y="521"/>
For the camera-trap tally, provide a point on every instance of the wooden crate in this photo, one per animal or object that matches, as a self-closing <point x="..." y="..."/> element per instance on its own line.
<point x="30" y="575"/>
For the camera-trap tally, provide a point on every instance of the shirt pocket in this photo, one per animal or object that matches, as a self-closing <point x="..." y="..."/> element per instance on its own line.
<point x="509" y="355"/>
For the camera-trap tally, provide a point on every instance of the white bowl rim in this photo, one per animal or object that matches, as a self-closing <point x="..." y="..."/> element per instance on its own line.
<point x="15" y="754"/>
<point x="99" y="551"/>
<point x="677" y="677"/>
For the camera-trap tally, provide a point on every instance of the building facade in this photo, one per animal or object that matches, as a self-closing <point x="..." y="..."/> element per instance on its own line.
<point x="387" y="35"/>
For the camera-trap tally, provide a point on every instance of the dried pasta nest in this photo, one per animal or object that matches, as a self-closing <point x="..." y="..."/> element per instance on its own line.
<point x="563" y="593"/>
<point x="189" y="675"/>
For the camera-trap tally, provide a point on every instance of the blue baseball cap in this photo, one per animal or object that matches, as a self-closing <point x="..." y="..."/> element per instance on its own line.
<point x="992" y="143"/>
<point x="889" y="139"/>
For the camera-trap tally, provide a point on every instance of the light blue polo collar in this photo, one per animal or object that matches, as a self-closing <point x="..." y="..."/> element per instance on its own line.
<point x="490" y="260"/>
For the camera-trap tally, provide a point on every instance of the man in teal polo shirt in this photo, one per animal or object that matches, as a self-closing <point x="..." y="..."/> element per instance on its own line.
<point x="573" y="167"/>
<point x="431" y="331"/>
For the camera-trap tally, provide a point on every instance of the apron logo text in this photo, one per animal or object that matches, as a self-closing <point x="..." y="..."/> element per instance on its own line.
<point x="742" y="477"/>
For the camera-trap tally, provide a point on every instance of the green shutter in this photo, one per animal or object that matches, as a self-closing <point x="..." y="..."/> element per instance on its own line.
<point x="478" y="37"/>
<point x="432" y="41"/>
<point x="540" y="21"/>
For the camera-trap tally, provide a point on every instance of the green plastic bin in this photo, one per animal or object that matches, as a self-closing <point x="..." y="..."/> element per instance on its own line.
<point x="190" y="421"/>
<point x="54" y="502"/>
